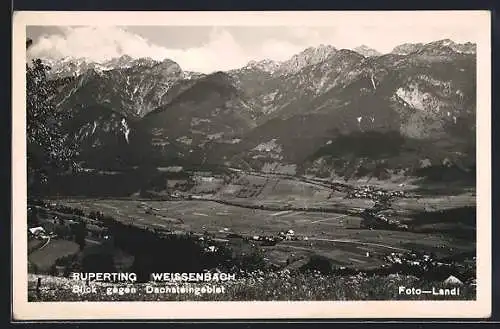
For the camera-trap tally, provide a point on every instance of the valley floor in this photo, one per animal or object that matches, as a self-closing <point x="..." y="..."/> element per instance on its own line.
<point x="323" y="220"/>
<point x="336" y="236"/>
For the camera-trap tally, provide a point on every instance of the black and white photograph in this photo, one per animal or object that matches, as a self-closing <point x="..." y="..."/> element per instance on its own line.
<point x="247" y="158"/>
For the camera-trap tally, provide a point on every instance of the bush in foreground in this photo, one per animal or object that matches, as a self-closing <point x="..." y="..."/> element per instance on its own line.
<point x="262" y="287"/>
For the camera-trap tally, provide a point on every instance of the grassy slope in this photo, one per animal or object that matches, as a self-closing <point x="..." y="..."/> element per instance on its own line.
<point x="44" y="258"/>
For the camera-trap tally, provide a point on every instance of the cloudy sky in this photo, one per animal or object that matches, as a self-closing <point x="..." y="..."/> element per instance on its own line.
<point x="210" y="48"/>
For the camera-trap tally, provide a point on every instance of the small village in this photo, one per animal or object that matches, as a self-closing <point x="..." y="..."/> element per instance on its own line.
<point x="373" y="220"/>
<point x="427" y="266"/>
<point x="374" y="193"/>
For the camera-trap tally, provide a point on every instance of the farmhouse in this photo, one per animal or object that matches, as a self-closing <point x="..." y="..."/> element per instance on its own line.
<point x="208" y="179"/>
<point x="36" y="230"/>
<point x="211" y="249"/>
<point x="175" y="194"/>
<point x="203" y="173"/>
<point x="289" y="235"/>
<point x="452" y="280"/>
<point x="176" y="183"/>
<point x="172" y="169"/>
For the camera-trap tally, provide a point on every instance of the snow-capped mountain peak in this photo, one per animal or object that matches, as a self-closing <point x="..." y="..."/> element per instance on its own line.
<point x="122" y="61"/>
<point x="366" y="51"/>
<point x="71" y="66"/>
<point x="464" y="48"/>
<point x="310" y="56"/>
<point x="190" y="75"/>
<point x="266" y="65"/>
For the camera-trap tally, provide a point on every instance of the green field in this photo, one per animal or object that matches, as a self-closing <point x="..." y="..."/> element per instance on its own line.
<point x="45" y="257"/>
<point x="336" y="236"/>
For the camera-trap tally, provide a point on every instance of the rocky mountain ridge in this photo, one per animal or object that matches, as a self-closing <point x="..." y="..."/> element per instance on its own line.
<point x="419" y="100"/>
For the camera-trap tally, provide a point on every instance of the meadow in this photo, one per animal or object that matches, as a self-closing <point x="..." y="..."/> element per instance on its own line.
<point x="336" y="236"/>
<point x="43" y="258"/>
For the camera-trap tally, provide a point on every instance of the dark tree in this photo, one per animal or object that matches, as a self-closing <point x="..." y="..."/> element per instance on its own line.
<point x="49" y="150"/>
<point x="80" y="234"/>
<point x="319" y="263"/>
<point x="98" y="262"/>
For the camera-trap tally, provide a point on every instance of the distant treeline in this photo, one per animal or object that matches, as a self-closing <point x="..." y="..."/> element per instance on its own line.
<point x="459" y="222"/>
<point x="105" y="184"/>
<point x="448" y="174"/>
<point x="91" y="184"/>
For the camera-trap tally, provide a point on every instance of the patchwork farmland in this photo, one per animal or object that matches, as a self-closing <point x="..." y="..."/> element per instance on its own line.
<point x="309" y="213"/>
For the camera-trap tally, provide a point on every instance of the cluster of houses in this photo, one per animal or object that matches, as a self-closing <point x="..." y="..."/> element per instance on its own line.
<point x="423" y="263"/>
<point x="288" y="235"/>
<point x="272" y="240"/>
<point x="373" y="220"/>
<point x="61" y="226"/>
<point x="265" y="240"/>
<point x="211" y="249"/>
<point x="373" y="193"/>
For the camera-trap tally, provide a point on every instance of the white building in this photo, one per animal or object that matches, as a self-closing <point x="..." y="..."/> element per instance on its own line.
<point x="37" y="230"/>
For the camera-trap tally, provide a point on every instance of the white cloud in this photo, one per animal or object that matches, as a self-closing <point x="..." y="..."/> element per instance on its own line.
<point x="95" y="43"/>
<point x="99" y="44"/>
<point x="278" y="50"/>
<point x="308" y="34"/>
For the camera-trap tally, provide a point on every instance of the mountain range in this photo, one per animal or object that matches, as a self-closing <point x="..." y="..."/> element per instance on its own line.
<point x="325" y="111"/>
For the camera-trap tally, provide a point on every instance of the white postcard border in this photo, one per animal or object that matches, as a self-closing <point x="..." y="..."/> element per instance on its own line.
<point x="481" y="308"/>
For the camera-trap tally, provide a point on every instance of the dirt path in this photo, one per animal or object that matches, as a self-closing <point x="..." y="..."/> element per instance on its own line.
<point x="360" y="243"/>
<point x="330" y="218"/>
<point x="116" y="209"/>
<point x="45" y="244"/>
